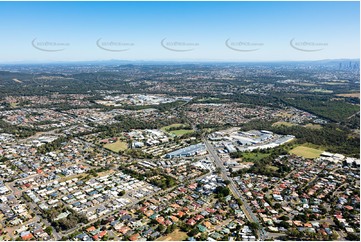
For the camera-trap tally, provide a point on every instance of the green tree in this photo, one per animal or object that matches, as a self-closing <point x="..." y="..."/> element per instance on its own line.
<point x="193" y="232"/>
<point x="49" y="230"/>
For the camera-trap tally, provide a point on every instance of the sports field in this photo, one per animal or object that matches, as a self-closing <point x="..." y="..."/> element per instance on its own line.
<point x="116" y="146"/>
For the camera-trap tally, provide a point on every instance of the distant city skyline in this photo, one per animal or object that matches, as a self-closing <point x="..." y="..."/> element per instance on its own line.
<point x="38" y="32"/>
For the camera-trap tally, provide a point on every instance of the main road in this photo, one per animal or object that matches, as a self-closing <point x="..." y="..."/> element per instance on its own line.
<point x="233" y="188"/>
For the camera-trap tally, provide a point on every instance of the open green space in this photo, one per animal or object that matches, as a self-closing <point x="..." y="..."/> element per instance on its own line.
<point x="272" y="168"/>
<point x="116" y="146"/>
<point x="181" y="132"/>
<point x="324" y="106"/>
<point x="306" y="152"/>
<point x="177" y="129"/>
<point x="254" y="156"/>
<point x="13" y="105"/>
<point x="306" y="84"/>
<point x="335" y="83"/>
<point x="287" y="124"/>
<point x="166" y="128"/>
<point x="321" y="90"/>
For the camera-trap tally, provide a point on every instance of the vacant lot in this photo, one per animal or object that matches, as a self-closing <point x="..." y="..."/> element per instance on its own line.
<point x="306" y="152"/>
<point x="349" y="95"/>
<point x="272" y="168"/>
<point x="253" y="157"/>
<point x="313" y="126"/>
<point x="117" y="146"/>
<point x="67" y="178"/>
<point x="176" y="235"/>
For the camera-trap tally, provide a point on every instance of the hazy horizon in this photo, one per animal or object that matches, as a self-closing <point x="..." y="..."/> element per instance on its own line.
<point x="171" y="61"/>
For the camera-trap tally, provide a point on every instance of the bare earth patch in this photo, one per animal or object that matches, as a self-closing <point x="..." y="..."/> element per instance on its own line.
<point x="349" y="95"/>
<point x="176" y="235"/>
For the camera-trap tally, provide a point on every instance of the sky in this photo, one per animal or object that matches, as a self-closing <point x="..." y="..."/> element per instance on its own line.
<point x="178" y="31"/>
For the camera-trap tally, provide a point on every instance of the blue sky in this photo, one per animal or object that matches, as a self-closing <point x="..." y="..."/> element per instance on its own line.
<point x="260" y="31"/>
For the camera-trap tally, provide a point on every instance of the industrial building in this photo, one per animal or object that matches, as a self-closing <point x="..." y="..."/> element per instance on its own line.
<point x="197" y="149"/>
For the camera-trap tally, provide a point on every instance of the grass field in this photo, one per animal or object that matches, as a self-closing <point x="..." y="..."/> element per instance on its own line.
<point x="13" y="105"/>
<point x="306" y="152"/>
<point x="181" y="132"/>
<point x="273" y="168"/>
<point x="320" y="90"/>
<point x="116" y="146"/>
<point x="176" y="235"/>
<point x="254" y="156"/>
<point x="279" y="123"/>
<point x="306" y="84"/>
<point x="334" y="83"/>
<point x="178" y="132"/>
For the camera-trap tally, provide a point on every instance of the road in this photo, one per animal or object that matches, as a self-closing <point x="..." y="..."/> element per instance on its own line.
<point x="233" y="188"/>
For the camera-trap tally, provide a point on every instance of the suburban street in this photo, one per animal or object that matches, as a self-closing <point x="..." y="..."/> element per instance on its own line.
<point x="233" y="187"/>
